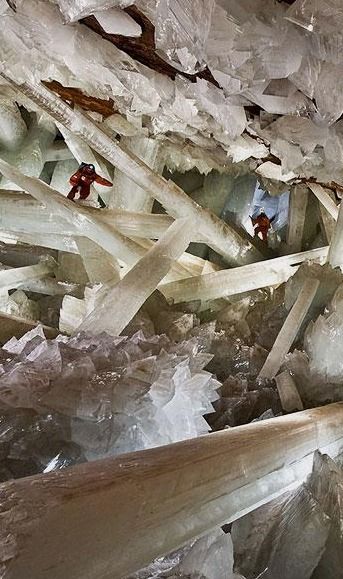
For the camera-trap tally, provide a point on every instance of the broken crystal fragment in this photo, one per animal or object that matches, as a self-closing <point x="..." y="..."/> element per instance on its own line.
<point x="116" y="21"/>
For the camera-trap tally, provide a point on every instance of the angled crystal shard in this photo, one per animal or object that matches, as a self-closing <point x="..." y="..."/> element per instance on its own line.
<point x="268" y="540"/>
<point x="181" y="31"/>
<point x="289" y="329"/>
<point x="16" y="277"/>
<point x="336" y="246"/>
<point x="123" y="301"/>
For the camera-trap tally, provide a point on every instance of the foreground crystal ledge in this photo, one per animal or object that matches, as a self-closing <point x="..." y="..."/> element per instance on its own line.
<point x="109" y="518"/>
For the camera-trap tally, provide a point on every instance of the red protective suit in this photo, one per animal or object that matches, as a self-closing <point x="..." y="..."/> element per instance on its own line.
<point x="83" y="179"/>
<point x="263" y="225"/>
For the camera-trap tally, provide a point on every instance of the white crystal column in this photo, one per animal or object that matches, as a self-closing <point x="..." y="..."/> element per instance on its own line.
<point x="289" y="330"/>
<point x="127" y="194"/>
<point x="58" y="151"/>
<point x="325" y="199"/>
<point x="335" y="258"/>
<point x="240" y="279"/>
<point x="112" y="517"/>
<point x="220" y="236"/>
<point x="296" y="217"/>
<point x="122" y="302"/>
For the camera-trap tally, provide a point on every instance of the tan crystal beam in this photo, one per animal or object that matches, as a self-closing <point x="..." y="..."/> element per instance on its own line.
<point x="289" y="329"/>
<point x="218" y="234"/>
<point x="106" y="519"/>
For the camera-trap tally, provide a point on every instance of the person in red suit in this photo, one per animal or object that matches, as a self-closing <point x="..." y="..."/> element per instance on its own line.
<point x="82" y="180"/>
<point x="263" y="225"/>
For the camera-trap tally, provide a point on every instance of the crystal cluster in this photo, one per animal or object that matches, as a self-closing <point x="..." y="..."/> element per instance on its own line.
<point x="256" y="53"/>
<point x="74" y="399"/>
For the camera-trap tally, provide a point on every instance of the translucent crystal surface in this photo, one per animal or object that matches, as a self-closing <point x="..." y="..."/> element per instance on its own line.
<point x="112" y="394"/>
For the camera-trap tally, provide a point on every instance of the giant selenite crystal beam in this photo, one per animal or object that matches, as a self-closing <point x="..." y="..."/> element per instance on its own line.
<point x="121" y="303"/>
<point x="240" y="279"/>
<point x="325" y="199"/>
<point x="218" y="234"/>
<point x="296" y="218"/>
<point x="289" y="329"/>
<point x="20" y="212"/>
<point x="87" y="224"/>
<point x="335" y="258"/>
<point x="108" y="518"/>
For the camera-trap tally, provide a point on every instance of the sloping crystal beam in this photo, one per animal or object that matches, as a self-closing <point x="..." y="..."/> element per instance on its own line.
<point x="325" y="199"/>
<point x="112" y="517"/>
<point x="239" y="279"/>
<point x="289" y="329"/>
<point x="101" y="233"/>
<point x="219" y="235"/>
<point x="14" y="326"/>
<point x="16" y="277"/>
<point x="121" y="303"/>
<point x="296" y="218"/>
<point x="23" y="213"/>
